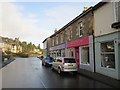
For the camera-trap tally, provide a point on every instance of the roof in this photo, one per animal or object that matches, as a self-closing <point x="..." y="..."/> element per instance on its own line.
<point x="99" y="5"/>
<point x="44" y="40"/>
<point x="71" y="22"/>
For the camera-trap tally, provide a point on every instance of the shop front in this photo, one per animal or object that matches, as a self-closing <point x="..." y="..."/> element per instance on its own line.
<point x="107" y="55"/>
<point x="58" y="51"/>
<point x="82" y="50"/>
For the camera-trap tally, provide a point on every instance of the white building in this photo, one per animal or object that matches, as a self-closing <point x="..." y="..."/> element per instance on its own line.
<point x="107" y="38"/>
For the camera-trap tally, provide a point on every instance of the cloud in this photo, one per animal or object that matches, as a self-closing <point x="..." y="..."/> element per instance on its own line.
<point x="17" y="24"/>
<point x="54" y="0"/>
<point x="62" y="14"/>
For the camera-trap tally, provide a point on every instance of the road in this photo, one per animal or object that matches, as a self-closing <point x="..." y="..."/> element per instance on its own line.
<point x="29" y="73"/>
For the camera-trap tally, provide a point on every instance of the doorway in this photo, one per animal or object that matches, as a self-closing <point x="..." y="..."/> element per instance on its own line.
<point x="77" y="56"/>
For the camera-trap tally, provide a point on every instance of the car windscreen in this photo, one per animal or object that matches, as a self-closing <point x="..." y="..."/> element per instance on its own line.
<point x="69" y="60"/>
<point x="51" y="59"/>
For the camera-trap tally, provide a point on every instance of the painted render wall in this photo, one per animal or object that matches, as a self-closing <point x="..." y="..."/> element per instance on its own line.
<point x="104" y="17"/>
<point x="119" y="53"/>
<point x="114" y="73"/>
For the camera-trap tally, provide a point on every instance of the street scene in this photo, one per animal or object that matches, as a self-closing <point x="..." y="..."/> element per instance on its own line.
<point x="60" y="44"/>
<point x="29" y="73"/>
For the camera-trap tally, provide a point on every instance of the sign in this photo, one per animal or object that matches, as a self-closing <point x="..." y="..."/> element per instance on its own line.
<point x="78" y="42"/>
<point x="58" y="47"/>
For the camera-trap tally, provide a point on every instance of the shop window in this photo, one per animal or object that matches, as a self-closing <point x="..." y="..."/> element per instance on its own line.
<point x="63" y="53"/>
<point x="107" y="54"/>
<point x="85" y="55"/>
<point x="71" y="53"/>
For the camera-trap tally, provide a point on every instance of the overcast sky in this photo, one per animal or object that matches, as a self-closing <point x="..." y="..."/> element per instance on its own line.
<point x="35" y="21"/>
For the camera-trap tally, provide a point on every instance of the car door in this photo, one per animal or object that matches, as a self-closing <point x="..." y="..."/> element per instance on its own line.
<point x="55" y="64"/>
<point x="59" y="63"/>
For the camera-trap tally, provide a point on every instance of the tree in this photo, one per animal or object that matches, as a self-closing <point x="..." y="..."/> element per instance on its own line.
<point x="38" y="46"/>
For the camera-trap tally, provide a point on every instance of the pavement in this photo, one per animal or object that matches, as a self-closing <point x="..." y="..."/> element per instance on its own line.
<point x="29" y="73"/>
<point x="7" y="61"/>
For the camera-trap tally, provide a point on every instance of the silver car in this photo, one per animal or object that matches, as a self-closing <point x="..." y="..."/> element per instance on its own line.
<point x="64" y="64"/>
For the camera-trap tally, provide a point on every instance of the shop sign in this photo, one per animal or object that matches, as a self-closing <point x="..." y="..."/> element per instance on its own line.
<point x="58" y="47"/>
<point x="78" y="42"/>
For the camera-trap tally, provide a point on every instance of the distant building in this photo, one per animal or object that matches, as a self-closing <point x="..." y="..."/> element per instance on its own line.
<point x="46" y="47"/>
<point x="10" y="47"/>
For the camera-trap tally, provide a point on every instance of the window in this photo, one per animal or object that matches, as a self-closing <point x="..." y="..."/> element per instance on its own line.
<point x="107" y="54"/>
<point x="69" y="60"/>
<point x="53" y="42"/>
<point x="71" y="53"/>
<point x="56" y="39"/>
<point x="61" y="38"/>
<point x="63" y="53"/>
<point x="85" y="55"/>
<point x="80" y="29"/>
<point x="69" y="33"/>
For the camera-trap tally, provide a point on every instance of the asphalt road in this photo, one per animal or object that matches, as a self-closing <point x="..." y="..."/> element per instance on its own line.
<point x="29" y="73"/>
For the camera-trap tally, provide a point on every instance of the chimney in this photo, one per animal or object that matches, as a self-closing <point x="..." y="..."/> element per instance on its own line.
<point x="55" y="30"/>
<point x="85" y="8"/>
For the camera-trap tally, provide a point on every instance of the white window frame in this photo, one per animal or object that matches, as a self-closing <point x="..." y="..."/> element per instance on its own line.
<point x="57" y="40"/>
<point x="53" y="42"/>
<point x="107" y="53"/>
<point x="80" y="27"/>
<point x="61" y="35"/>
<point x="81" y="55"/>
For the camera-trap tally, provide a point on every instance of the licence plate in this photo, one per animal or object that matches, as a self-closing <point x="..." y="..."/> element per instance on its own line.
<point x="70" y="65"/>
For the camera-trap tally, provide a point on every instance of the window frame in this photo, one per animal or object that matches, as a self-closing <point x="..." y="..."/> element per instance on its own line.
<point x="80" y="29"/>
<point x="53" y="42"/>
<point x="103" y="53"/>
<point x="57" y="42"/>
<point x="61" y="38"/>
<point x="88" y="61"/>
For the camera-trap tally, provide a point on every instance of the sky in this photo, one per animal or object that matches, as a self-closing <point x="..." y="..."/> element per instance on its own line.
<point x="35" y="21"/>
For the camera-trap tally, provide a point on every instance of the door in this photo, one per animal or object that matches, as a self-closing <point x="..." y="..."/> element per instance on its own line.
<point x="77" y="56"/>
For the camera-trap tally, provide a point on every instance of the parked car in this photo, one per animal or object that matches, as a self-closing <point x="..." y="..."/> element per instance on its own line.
<point x="64" y="64"/>
<point x="47" y="61"/>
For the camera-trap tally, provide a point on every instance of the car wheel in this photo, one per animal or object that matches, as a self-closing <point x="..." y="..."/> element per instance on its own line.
<point x="52" y="68"/>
